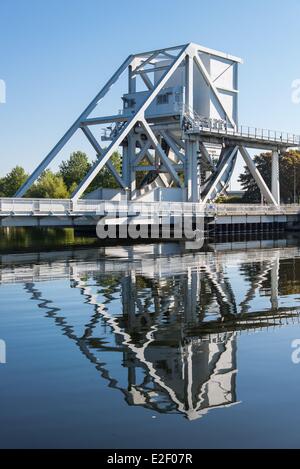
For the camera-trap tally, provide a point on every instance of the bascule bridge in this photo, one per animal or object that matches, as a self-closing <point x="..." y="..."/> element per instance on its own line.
<point x="179" y="135"/>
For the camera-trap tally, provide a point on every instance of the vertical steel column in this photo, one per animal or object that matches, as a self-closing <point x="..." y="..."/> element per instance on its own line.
<point x="198" y="169"/>
<point x="125" y="165"/>
<point x="130" y="169"/>
<point x="157" y="157"/>
<point x="131" y="81"/>
<point x="189" y="82"/>
<point x="128" y="172"/>
<point x="193" y="180"/>
<point x="275" y="176"/>
<point x="196" y="173"/>
<point x="188" y="169"/>
<point x="190" y="149"/>
<point x="131" y="142"/>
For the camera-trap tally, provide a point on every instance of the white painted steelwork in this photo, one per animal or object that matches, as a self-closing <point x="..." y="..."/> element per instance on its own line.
<point x="26" y="207"/>
<point x="180" y="114"/>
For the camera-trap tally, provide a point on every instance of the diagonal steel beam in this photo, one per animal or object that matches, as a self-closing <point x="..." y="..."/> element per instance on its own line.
<point x="177" y="140"/>
<point x="257" y="177"/>
<point x="104" y="120"/>
<point x="99" y="150"/>
<point x="145" y="62"/>
<point x="129" y="126"/>
<point x="154" y="69"/>
<point x="172" y="144"/>
<point x="147" y="81"/>
<point x="43" y="165"/>
<point x="161" y="153"/>
<point x="220" y="171"/>
<point x="158" y="51"/>
<point x="169" y="56"/>
<point x="207" y="156"/>
<point x="143" y="152"/>
<point x="160" y="176"/>
<point x="210" y="83"/>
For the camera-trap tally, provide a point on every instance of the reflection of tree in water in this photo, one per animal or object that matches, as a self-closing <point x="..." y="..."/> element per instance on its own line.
<point x="37" y="238"/>
<point x="289" y="279"/>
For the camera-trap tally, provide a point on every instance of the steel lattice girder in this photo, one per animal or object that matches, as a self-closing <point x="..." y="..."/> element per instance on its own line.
<point x="141" y="65"/>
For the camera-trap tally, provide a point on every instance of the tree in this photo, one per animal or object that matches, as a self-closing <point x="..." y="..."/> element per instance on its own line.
<point x="49" y="186"/>
<point x="104" y="178"/>
<point x="290" y="177"/>
<point x="74" y="169"/>
<point x="289" y="169"/>
<point x="62" y="184"/>
<point x="263" y="163"/>
<point x="12" y="181"/>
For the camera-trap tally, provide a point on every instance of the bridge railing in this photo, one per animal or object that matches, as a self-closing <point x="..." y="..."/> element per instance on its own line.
<point x="136" y="207"/>
<point x="19" y="205"/>
<point x="15" y="206"/>
<point x="250" y="209"/>
<point x="197" y="122"/>
<point x="66" y="207"/>
<point x="255" y="133"/>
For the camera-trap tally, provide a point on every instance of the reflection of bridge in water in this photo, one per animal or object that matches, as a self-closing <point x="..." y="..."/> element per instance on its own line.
<point x="170" y="320"/>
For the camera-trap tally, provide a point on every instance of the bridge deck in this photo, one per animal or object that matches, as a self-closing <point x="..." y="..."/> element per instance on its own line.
<point x="214" y="130"/>
<point x="27" y="207"/>
<point x="51" y="212"/>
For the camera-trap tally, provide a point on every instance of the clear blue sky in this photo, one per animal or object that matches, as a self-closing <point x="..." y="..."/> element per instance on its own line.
<point x="55" y="55"/>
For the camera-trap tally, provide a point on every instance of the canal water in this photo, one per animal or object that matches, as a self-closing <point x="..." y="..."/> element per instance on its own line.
<point x="150" y="346"/>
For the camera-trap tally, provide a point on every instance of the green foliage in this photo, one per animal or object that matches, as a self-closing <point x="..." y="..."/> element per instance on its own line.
<point x="49" y="186"/>
<point x="12" y="181"/>
<point x="62" y="184"/>
<point x="105" y="178"/>
<point x="223" y="199"/>
<point x="290" y="177"/>
<point x="289" y="168"/>
<point x="144" y="177"/>
<point x="74" y="169"/>
<point x="252" y="192"/>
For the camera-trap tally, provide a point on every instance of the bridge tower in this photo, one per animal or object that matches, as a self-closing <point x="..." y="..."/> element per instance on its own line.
<point x="177" y="131"/>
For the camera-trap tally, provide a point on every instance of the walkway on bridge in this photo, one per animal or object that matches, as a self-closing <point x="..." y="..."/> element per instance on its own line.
<point x="66" y="212"/>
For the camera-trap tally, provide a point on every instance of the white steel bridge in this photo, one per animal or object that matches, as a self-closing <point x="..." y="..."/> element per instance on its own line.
<point x="24" y="212"/>
<point x="179" y="125"/>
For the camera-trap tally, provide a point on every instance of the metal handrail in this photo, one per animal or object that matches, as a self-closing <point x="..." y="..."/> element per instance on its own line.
<point x="206" y="124"/>
<point x="32" y="207"/>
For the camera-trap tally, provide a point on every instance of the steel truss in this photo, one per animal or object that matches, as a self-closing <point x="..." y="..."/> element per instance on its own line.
<point x="166" y="149"/>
